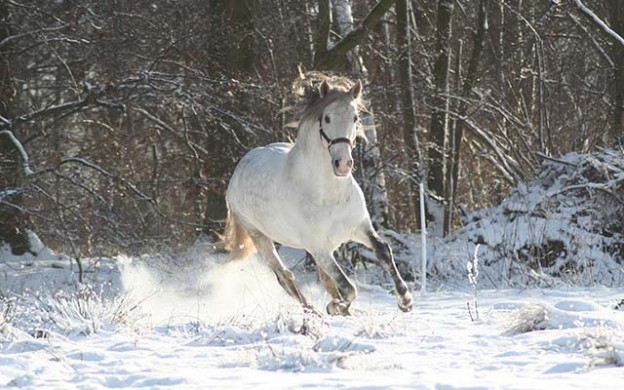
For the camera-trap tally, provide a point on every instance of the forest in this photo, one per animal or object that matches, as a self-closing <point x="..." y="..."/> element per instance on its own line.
<point x="122" y="121"/>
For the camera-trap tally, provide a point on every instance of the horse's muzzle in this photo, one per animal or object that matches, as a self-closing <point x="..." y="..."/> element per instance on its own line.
<point x="342" y="167"/>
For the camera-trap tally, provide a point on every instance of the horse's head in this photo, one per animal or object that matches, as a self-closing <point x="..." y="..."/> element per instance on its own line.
<point x="338" y="125"/>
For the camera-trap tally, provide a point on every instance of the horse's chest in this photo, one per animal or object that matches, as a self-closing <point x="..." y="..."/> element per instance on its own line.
<point x="326" y="217"/>
<point x="324" y="212"/>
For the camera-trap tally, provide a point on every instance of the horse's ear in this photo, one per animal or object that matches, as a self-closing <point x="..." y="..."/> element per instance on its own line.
<point x="324" y="88"/>
<point x="356" y="90"/>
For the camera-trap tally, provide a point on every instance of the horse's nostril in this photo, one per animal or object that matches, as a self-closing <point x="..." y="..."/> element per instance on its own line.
<point x="336" y="163"/>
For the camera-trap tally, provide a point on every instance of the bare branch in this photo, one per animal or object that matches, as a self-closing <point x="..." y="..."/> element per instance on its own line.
<point x="6" y="41"/>
<point x="103" y="171"/>
<point x="63" y="108"/>
<point x="549" y="158"/>
<point x="590" y="15"/>
<point x="167" y="127"/>
<point x="20" y="149"/>
<point x="355" y="37"/>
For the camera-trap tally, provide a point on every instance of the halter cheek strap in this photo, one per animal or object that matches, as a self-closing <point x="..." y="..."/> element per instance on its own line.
<point x="331" y="142"/>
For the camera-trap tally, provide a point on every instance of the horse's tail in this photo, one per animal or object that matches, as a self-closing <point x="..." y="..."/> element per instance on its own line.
<point x="236" y="240"/>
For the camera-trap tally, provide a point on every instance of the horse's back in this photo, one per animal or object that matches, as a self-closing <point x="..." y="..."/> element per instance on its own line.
<point x="262" y="160"/>
<point x="254" y="182"/>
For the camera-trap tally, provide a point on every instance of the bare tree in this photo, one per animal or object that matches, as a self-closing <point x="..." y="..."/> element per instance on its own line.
<point x="12" y="216"/>
<point x="233" y="23"/>
<point x="459" y="122"/>
<point x="371" y="175"/>
<point x="437" y="148"/>
<point x="331" y="58"/>
<point x="134" y="113"/>
<point x="410" y="129"/>
<point x="617" y="21"/>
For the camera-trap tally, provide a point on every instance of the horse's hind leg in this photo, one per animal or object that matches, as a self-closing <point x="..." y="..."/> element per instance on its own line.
<point x="339" y="287"/>
<point x="382" y="250"/>
<point x="285" y="277"/>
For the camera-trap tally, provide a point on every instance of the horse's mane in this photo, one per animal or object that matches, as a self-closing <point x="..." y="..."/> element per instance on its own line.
<point x="306" y="86"/>
<point x="306" y="89"/>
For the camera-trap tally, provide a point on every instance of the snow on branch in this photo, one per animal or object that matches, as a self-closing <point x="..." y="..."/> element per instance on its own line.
<point x="356" y="36"/>
<point x="603" y="26"/>
<point x="20" y="149"/>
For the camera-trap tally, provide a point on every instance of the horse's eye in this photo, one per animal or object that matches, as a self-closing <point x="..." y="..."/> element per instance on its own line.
<point x="355" y="118"/>
<point x="327" y="119"/>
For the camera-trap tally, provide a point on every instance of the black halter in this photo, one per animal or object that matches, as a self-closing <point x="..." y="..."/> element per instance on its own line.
<point x="331" y="142"/>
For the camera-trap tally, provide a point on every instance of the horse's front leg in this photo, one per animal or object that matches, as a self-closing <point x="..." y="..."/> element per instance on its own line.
<point x="285" y="277"/>
<point x="336" y="283"/>
<point x="368" y="237"/>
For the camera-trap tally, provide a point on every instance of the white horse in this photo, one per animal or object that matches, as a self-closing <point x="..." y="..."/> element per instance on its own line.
<point x="303" y="195"/>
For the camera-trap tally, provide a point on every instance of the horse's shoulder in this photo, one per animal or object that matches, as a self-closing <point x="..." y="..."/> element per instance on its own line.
<point x="265" y="155"/>
<point x="281" y="147"/>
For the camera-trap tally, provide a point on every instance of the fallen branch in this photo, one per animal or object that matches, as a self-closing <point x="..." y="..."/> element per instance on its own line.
<point x="589" y="186"/>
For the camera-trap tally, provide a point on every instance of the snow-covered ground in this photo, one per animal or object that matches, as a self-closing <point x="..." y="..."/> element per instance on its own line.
<point x="195" y="321"/>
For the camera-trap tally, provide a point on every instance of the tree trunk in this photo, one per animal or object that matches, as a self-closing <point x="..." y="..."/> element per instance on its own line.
<point x="410" y="130"/>
<point x="12" y="218"/>
<point x="615" y="35"/>
<point x="232" y="27"/>
<point x="617" y="24"/>
<point x="454" y="146"/>
<point x="241" y="14"/>
<point x="439" y="117"/>
<point x="321" y="38"/>
<point x="460" y="122"/>
<point x="332" y="57"/>
<point x="372" y="177"/>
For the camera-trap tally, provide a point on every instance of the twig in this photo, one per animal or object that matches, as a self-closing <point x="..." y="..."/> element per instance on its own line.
<point x="473" y="274"/>
<point x="106" y="173"/>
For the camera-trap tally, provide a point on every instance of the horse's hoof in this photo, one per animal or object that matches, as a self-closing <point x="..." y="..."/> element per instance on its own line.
<point x="338" y="308"/>
<point x="405" y="302"/>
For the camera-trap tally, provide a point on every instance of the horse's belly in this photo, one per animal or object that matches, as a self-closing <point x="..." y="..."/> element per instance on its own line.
<point x="305" y="224"/>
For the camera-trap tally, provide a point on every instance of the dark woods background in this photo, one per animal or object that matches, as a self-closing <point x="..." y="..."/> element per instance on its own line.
<point x="134" y="113"/>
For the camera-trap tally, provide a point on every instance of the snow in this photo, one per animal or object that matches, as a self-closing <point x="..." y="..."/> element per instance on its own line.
<point x="565" y="226"/>
<point x="526" y="295"/>
<point x="196" y="321"/>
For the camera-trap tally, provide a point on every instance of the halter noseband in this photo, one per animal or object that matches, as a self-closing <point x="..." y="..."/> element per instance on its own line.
<point x="331" y="142"/>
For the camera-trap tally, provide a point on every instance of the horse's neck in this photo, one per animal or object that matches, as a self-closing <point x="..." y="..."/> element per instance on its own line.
<point x="310" y="163"/>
